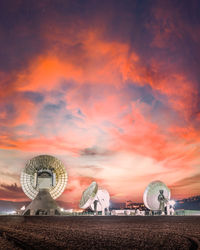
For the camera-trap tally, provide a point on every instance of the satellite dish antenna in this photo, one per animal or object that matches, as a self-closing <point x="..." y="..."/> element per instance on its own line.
<point x="103" y="199"/>
<point x="89" y="195"/>
<point x="43" y="179"/>
<point x="95" y="198"/>
<point x="151" y="195"/>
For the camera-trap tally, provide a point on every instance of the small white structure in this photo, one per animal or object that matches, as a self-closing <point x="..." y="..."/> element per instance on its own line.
<point x="139" y="212"/>
<point x="170" y="207"/>
<point x="129" y="212"/>
<point x="22" y="208"/>
<point x="96" y="199"/>
<point x="119" y="212"/>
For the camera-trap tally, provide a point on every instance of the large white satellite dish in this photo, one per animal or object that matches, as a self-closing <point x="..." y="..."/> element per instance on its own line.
<point x="43" y="179"/>
<point x="43" y="163"/>
<point x="95" y="198"/>
<point x="152" y="192"/>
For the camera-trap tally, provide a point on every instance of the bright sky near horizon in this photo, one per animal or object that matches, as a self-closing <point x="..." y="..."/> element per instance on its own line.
<point x="111" y="88"/>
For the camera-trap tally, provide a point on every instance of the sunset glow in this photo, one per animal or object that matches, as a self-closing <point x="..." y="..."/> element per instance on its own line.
<point x="110" y="89"/>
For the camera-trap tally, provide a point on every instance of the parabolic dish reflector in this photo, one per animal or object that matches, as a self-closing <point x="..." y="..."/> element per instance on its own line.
<point x="88" y="195"/>
<point x="151" y="193"/>
<point x="42" y="162"/>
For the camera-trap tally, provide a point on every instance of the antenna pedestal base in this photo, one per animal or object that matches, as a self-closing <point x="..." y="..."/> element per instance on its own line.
<point x="43" y="204"/>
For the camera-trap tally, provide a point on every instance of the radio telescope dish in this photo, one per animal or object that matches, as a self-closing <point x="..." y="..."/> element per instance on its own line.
<point x="88" y="195"/>
<point x="41" y="164"/>
<point x="43" y="179"/>
<point x="95" y="198"/>
<point x="104" y="200"/>
<point x="152" y="192"/>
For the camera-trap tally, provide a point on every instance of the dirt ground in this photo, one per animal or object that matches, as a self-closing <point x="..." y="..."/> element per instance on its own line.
<point x="108" y="232"/>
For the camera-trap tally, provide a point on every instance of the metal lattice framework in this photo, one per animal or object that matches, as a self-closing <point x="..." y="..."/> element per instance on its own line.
<point x="43" y="162"/>
<point x="151" y="193"/>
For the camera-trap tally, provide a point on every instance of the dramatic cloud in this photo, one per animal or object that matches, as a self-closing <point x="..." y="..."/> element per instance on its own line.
<point x="111" y="88"/>
<point x="11" y="192"/>
<point x="185" y="185"/>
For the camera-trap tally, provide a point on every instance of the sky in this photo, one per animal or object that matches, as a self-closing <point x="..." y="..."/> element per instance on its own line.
<point x="110" y="87"/>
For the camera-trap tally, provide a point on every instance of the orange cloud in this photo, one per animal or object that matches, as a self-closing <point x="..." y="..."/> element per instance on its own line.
<point x="38" y="144"/>
<point x="87" y="58"/>
<point x="89" y="72"/>
<point x="100" y="62"/>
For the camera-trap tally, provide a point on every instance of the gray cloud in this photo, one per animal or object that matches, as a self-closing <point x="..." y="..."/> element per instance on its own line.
<point x="11" y="192"/>
<point x="195" y="179"/>
<point x="95" y="151"/>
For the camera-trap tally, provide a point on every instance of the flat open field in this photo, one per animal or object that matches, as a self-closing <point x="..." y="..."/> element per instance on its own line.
<point x="90" y="232"/>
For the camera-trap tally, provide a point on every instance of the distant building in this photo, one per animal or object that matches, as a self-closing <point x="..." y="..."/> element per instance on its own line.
<point x="133" y="205"/>
<point x="115" y="205"/>
<point x="191" y="203"/>
<point x="129" y="204"/>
